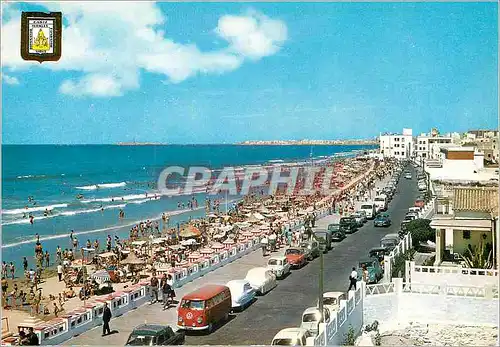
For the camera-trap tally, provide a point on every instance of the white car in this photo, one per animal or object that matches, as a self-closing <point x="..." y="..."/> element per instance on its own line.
<point x="293" y="337"/>
<point x="408" y="176"/>
<point x="331" y="300"/>
<point x="261" y="279"/>
<point x="279" y="265"/>
<point x="242" y="293"/>
<point x="312" y="317"/>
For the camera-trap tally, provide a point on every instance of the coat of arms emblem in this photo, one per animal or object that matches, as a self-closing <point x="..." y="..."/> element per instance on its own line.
<point x="41" y="36"/>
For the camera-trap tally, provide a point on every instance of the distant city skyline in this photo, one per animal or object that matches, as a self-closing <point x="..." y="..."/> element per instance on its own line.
<point x="206" y="73"/>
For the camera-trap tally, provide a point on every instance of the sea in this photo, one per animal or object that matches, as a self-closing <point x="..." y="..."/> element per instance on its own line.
<point x="85" y="187"/>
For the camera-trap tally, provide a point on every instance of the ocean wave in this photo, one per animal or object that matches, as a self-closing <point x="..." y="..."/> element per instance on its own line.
<point x="30" y="176"/>
<point x="33" y="209"/>
<point x="66" y="213"/>
<point x="61" y="236"/>
<point x="103" y="186"/>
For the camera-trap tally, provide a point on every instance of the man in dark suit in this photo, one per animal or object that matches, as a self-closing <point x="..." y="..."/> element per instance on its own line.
<point x="106" y="317"/>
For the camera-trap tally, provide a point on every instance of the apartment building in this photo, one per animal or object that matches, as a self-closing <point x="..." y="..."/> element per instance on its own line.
<point x="398" y="146"/>
<point x="424" y="144"/>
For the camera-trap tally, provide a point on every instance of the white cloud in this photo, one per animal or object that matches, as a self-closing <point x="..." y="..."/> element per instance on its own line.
<point x="109" y="44"/>
<point x="9" y="79"/>
<point x="254" y="36"/>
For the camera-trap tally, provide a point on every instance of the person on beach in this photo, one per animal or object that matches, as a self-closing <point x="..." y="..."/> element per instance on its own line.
<point x="25" y="264"/>
<point x="47" y="259"/>
<point x="58" y="253"/>
<point x="12" y="269"/>
<point x="106" y="317"/>
<point x="60" y="271"/>
<point x="154" y="289"/>
<point x="75" y="243"/>
<point x="4" y="269"/>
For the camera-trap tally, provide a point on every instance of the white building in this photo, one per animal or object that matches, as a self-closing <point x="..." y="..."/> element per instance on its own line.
<point x="424" y="144"/>
<point x="398" y="146"/>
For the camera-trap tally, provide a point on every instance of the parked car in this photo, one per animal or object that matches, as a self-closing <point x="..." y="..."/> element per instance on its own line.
<point x="415" y="209"/>
<point x="348" y="225"/>
<point x="311" y="249"/>
<point x="411" y="216"/>
<point x="203" y="308"/>
<point x="381" y="202"/>
<point x="369" y="208"/>
<point x="324" y="240"/>
<point x="261" y="279"/>
<point x="331" y="300"/>
<point x="374" y="270"/>
<point x="155" y="335"/>
<point x="338" y="236"/>
<point x="296" y="257"/>
<point x="279" y="265"/>
<point x="382" y="220"/>
<point x="312" y="316"/>
<point x="420" y="203"/>
<point x="293" y="337"/>
<point x="389" y="242"/>
<point x="242" y="294"/>
<point x="333" y="227"/>
<point x="408" y="175"/>
<point x="404" y="225"/>
<point x="378" y="253"/>
<point x="359" y="218"/>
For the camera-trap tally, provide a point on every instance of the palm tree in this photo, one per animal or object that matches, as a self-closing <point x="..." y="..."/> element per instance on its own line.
<point x="480" y="257"/>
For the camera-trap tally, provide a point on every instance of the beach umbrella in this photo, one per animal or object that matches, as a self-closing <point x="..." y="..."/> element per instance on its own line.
<point x="217" y="245"/>
<point x="206" y="251"/>
<point x="189" y="231"/>
<point x="194" y="255"/>
<point x="246" y="234"/>
<point x="132" y="259"/>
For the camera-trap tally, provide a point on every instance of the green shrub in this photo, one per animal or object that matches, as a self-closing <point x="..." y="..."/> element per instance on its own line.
<point x="349" y="337"/>
<point x="421" y="231"/>
<point x="399" y="265"/>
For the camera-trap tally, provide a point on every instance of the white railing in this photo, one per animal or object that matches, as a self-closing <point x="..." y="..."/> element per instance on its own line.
<point x="455" y="276"/>
<point x="403" y="246"/>
<point x="349" y="315"/>
<point x="379" y="288"/>
<point x="428" y="210"/>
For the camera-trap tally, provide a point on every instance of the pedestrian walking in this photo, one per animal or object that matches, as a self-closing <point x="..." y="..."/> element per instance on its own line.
<point x="353" y="278"/>
<point x="106" y="317"/>
<point x="47" y="259"/>
<point x="166" y="291"/>
<point x="263" y="244"/>
<point x="4" y="269"/>
<point x="154" y="289"/>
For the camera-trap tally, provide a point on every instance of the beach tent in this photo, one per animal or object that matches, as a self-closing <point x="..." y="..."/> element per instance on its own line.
<point x="190" y="231"/>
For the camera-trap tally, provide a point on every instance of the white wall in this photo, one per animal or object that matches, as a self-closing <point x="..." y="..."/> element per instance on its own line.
<point x="452" y="276"/>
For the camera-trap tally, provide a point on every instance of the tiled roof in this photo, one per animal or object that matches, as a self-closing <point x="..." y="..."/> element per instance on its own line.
<point x="482" y="199"/>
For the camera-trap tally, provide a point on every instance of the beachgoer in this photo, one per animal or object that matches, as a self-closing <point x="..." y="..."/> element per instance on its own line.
<point x="154" y="289"/>
<point x="25" y="263"/>
<point x="60" y="271"/>
<point x="4" y="269"/>
<point x="47" y="259"/>
<point x="59" y="253"/>
<point x="12" y="269"/>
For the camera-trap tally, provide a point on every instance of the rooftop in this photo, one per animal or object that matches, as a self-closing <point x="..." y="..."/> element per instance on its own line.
<point x="479" y="199"/>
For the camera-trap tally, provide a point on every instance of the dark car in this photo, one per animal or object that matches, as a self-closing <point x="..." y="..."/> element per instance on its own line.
<point x="310" y="249"/>
<point x="348" y="225"/>
<point x="155" y="335"/>
<point x="325" y="240"/>
<point x="337" y="234"/>
<point x="332" y="228"/>
<point x="382" y="220"/>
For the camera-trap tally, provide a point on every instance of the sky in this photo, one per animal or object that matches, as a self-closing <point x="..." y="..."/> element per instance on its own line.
<point x="227" y="72"/>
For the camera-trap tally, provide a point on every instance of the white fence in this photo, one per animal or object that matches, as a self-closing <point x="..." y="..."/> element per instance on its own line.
<point x="349" y="316"/>
<point x="428" y="210"/>
<point x="453" y="276"/>
<point x="404" y="245"/>
<point x="427" y="303"/>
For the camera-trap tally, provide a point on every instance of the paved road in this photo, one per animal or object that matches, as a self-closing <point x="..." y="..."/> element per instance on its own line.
<point x="280" y="308"/>
<point x="283" y="306"/>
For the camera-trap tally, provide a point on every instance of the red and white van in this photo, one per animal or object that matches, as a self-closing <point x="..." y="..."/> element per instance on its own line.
<point x="204" y="307"/>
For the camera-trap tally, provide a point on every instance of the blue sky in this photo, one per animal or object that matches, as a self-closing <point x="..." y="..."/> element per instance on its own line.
<point x="221" y="73"/>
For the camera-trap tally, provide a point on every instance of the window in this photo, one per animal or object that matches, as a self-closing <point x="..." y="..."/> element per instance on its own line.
<point x="466" y="234"/>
